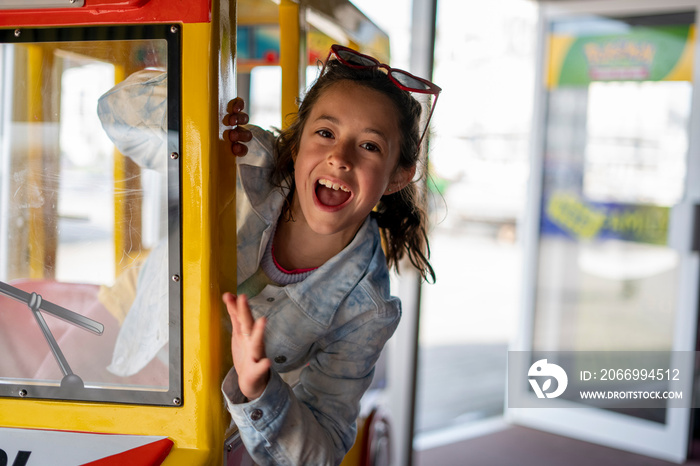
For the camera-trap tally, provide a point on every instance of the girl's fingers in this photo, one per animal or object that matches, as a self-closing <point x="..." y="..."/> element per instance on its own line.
<point x="248" y="346"/>
<point x="238" y="149"/>
<point x="244" y="316"/>
<point x="242" y="321"/>
<point x="241" y="118"/>
<point x="233" y="119"/>
<point x="230" y="301"/>
<point x="235" y="325"/>
<point x="238" y="134"/>
<point x="235" y="105"/>
<point x="232" y="307"/>
<point x="258" y="339"/>
<point x="262" y="367"/>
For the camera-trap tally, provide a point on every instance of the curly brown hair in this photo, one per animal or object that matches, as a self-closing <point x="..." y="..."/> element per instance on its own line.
<point x="401" y="217"/>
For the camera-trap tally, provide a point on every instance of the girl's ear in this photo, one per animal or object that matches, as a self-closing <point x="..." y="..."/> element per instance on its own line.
<point x="401" y="179"/>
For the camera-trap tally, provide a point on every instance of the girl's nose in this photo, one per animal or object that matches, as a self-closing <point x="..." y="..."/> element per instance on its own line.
<point x="340" y="157"/>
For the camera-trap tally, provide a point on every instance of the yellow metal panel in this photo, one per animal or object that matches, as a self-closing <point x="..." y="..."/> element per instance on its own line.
<point x="202" y="329"/>
<point x="119" y="176"/>
<point x="224" y="164"/>
<point x="197" y="427"/>
<point x="128" y="196"/>
<point x="35" y="117"/>
<point x="289" y="57"/>
<point x="128" y="199"/>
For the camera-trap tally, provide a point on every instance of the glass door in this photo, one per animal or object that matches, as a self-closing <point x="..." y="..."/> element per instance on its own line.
<point x="611" y="273"/>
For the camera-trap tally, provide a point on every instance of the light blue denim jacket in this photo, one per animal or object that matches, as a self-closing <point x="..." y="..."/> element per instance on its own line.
<point x="333" y="324"/>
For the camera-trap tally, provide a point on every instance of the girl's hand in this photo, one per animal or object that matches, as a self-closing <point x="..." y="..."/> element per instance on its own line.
<point x="247" y="347"/>
<point x="238" y="135"/>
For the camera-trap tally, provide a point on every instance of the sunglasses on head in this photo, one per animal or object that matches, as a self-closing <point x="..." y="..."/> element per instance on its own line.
<point x="402" y="79"/>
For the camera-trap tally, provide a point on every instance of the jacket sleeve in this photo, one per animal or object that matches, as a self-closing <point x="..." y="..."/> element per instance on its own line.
<point x="313" y="423"/>
<point x="134" y="114"/>
<point x="260" y="148"/>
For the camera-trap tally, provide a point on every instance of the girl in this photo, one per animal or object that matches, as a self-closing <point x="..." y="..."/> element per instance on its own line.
<point x="313" y="206"/>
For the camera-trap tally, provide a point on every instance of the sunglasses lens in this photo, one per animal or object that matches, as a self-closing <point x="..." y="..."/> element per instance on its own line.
<point x="409" y="81"/>
<point x="355" y="59"/>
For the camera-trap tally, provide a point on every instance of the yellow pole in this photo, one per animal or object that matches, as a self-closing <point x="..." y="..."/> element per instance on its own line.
<point x="128" y="198"/>
<point x="35" y="118"/>
<point x="119" y="189"/>
<point x="290" y="47"/>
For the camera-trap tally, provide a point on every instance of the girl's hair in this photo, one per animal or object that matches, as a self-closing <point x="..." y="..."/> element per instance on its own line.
<point x="401" y="216"/>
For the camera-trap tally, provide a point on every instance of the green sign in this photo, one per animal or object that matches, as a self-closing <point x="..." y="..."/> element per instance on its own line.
<point x="658" y="53"/>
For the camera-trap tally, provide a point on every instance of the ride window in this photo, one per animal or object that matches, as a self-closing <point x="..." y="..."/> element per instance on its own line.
<point x="90" y="214"/>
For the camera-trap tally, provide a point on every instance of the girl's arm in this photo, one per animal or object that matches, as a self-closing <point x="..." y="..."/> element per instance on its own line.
<point x="313" y="423"/>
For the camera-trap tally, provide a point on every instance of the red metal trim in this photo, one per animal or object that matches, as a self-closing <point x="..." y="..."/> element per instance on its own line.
<point x="112" y="12"/>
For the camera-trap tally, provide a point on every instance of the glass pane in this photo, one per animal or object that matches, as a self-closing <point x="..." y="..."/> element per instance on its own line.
<point x="86" y="310"/>
<point x="479" y="172"/>
<point x="637" y="142"/>
<point x="265" y="96"/>
<point x="614" y="166"/>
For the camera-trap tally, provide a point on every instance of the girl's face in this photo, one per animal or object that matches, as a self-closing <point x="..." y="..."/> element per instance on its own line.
<point x="347" y="159"/>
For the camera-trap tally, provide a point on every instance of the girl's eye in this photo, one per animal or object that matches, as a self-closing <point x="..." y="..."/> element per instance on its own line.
<point x="370" y="147"/>
<point x="324" y="133"/>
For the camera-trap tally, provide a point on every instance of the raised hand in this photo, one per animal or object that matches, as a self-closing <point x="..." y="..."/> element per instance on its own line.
<point x="237" y="135"/>
<point x="247" y="347"/>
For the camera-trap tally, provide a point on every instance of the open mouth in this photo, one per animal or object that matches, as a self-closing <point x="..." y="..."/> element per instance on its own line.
<point x="332" y="194"/>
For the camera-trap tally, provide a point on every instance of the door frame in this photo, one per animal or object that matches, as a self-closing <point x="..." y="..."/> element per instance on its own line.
<point x="666" y="441"/>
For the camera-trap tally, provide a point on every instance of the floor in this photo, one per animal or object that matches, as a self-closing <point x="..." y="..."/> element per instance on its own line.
<point x="528" y="447"/>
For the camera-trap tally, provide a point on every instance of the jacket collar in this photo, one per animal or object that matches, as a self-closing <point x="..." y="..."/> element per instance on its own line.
<point x="266" y="200"/>
<point x="322" y="292"/>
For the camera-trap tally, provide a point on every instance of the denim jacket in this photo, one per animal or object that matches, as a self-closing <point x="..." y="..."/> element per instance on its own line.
<point x="333" y="325"/>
